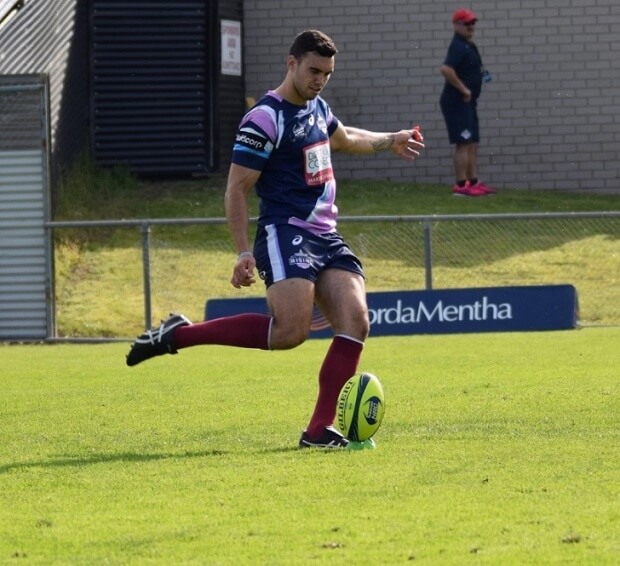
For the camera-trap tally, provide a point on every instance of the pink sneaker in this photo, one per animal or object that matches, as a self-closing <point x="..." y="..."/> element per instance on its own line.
<point x="484" y="188"/>
<point x="467" y="191"/>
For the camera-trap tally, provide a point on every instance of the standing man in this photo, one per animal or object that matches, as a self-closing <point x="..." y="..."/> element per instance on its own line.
<point x="464" y="74"/>
<point x="283" y="150"/>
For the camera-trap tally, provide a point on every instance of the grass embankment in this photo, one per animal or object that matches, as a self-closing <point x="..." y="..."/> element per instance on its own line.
<point x="99" y="284"/>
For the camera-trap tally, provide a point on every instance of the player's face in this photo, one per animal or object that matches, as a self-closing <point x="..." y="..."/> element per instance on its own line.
<point x="311" y="74"/>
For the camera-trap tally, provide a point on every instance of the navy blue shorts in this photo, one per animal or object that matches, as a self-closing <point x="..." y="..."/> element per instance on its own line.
<point x="286" y="251"/>
<point x="461" y="119"/>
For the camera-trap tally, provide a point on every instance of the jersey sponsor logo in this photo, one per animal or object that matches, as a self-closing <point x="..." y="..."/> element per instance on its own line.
<point x="318" y="163"/>
<point x="252" y="141"/>
<point x="298" y="132"/>
<point x="297" y="240"/>
<point x="300" y="259"/>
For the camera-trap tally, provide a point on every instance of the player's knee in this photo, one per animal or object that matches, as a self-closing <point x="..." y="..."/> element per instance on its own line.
<point x="357" y="327"/>
<point x="361" y="324"/>
<point x="364" y="327"/>
<point x="287" y="338"/>
<point x="287" y="342"/>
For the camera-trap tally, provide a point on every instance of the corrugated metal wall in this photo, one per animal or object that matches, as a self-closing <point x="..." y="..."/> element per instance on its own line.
<point x="49" y="36"/>
<point x="25" y="254"/>
<point x="149" y="88"/>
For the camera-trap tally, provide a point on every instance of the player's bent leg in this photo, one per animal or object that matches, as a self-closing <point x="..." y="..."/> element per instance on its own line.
<point x="246" y="330"/>
<point x="291" y="303"/>
<point x="157" y="341"/>
<point x="288" y="326"/>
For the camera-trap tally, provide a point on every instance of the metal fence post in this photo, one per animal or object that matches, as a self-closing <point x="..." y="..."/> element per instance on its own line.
<point x="146" y="271"/>
<point x="428" y="254"/>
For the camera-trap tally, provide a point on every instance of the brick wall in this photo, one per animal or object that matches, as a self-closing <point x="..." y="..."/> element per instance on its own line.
<point x="549" y="120"/>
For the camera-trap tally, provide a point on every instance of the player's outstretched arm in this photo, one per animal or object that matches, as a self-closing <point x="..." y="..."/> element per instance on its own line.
<point x="405" y="143"/>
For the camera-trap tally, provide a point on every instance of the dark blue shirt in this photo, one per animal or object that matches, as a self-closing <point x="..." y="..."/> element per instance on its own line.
<point x="463" y="56"/>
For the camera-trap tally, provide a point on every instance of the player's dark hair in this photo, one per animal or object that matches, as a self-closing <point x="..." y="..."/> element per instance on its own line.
<point x="313" y="41"/>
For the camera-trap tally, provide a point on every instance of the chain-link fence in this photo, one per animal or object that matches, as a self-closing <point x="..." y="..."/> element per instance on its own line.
<point x="115" y="277"/>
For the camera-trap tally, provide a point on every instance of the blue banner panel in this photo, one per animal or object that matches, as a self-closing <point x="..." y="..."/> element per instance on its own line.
<point x="445" y="311"/>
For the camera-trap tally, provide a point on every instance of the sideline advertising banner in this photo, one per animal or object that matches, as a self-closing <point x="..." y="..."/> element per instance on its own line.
<point x="445" y="311"/>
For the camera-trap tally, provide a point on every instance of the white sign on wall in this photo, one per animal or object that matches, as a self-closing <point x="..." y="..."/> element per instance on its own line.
<point x="231" y="48"/>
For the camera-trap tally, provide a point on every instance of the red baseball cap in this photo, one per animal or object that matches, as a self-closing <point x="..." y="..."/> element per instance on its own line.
<point x="464" y="15"/>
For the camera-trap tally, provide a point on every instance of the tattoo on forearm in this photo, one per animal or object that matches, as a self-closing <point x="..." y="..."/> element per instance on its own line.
<point x="385" y="143"/>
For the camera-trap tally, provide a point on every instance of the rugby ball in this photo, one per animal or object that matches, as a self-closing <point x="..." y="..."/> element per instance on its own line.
<point x="361" y="405"/>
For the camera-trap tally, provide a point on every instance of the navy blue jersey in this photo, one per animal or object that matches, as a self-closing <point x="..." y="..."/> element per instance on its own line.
<point x="464" y="58"/>
<point x="289" y="145"/>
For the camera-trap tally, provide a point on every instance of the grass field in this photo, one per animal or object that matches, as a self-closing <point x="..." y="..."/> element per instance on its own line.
<point x="495" y="449"/>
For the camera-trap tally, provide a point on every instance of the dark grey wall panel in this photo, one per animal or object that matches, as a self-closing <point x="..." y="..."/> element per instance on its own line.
<point x="149" y="86"/>
<point x="230" y="90"/>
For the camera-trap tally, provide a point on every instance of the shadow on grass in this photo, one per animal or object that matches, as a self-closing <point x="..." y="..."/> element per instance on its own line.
<point x="130" y="457"/>
<point x="78" y="461"/>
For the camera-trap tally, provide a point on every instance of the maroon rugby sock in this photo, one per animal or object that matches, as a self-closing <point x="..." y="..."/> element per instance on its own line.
<point x="247" y="330"/>
<point x="339" y="365"/>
